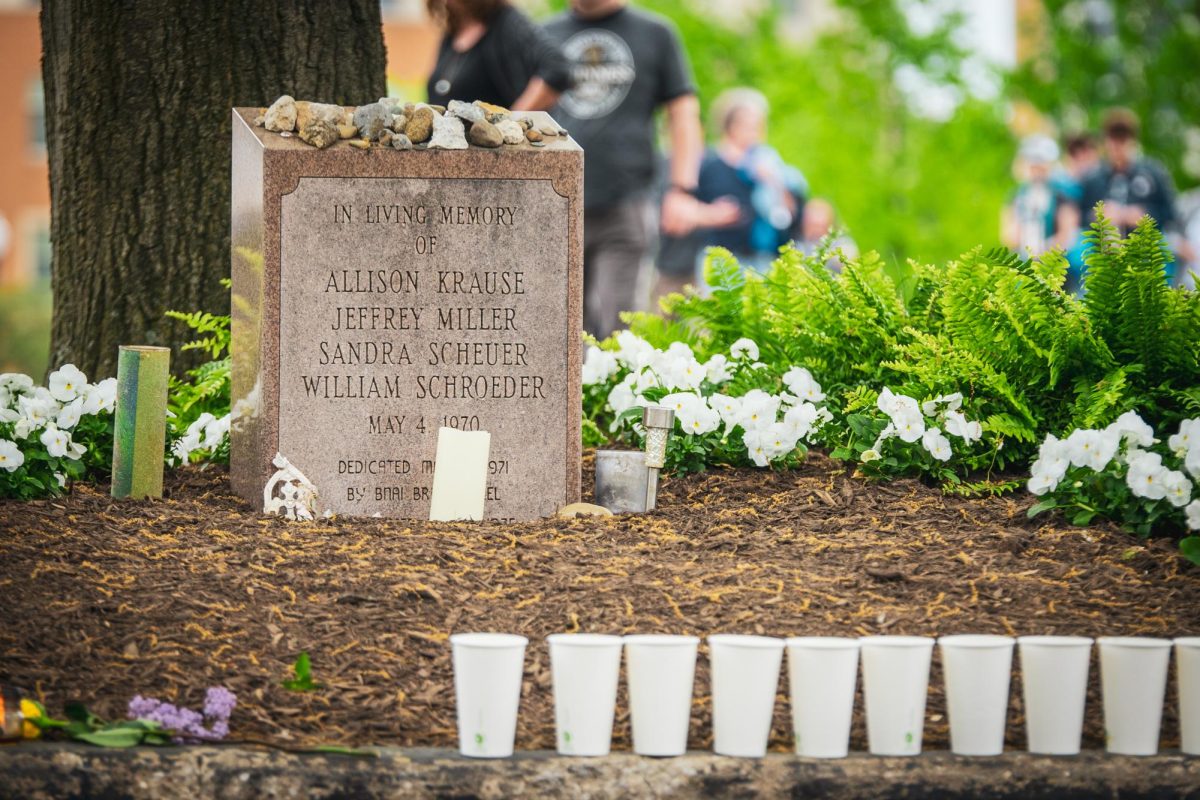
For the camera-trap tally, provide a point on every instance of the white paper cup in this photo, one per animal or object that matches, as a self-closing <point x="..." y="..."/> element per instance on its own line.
<point x="977" y="669"/>
<point x="895" y="683"/>
<point x="487" y="687"/>
<point x="1187" y="669"/>
<point x="822" y="672"/>
<point x="1054" y="675"/>
<point x="745" y="672"/>
<point x="661" y="670"/>
<point x="585" y="668"/>
<point x="1133" y="683"/>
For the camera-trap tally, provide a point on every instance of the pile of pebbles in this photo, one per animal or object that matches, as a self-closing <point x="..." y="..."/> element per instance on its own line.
<point x="391" y="122"/>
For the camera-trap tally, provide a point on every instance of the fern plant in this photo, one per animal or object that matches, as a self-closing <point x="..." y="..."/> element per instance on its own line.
<point x="205" y="388"/>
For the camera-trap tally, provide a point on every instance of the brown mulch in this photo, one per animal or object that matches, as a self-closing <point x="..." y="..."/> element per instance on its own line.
<point x="102" y="600"/>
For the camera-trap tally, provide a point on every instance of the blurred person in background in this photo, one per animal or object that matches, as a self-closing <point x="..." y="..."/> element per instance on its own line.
<point x="820" y="221"/>
<point x="494" y="53"/>
<point x="626" y="64"/>
<point x="1132" y="185"/>
<point x="742" y="170"/>
<point x="1041" y="214"/>
<point x="1082" y="159"/>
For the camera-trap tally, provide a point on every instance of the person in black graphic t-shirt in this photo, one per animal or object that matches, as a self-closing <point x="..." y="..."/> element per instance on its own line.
<point x="493" y="52"/>
<point x="625" y="64"/>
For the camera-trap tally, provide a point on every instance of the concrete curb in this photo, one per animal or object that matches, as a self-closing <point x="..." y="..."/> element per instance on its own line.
<point x="42" y="770"/>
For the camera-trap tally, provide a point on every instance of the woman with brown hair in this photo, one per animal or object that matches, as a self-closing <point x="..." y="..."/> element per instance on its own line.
<point x="493" y="52"/>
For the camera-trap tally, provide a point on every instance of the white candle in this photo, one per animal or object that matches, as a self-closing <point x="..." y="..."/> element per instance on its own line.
<point x="460" y="475"/>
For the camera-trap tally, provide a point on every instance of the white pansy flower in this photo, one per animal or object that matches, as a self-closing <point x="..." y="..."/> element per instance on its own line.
<point x="685" y="373"/>
<point x="16" y="383"/>
<point x="1052" y="458"/>
<point x="756" y="446"/>
<point x="698" y="419"/>
<point x="1192" y="461"/>
<point x="717" y="369"/>
<point x="646" y="379"/>
<point x="1040" y="483"/>
<point x="759" y="410"/>
<point x="598" y="366"/>
<point x="957" y="425"/>
<point x="184" y="446"/>
<point x="680" y="401"/>
<point x="1092" y="449"/>
<point x="36" y="411"/>
<point x="633" y="351"/>
<point x="779" y="440"/>
<point x="800" y="382"/>
<point x="1147" y="476"/>
<point x="216" y="431"/>
<point x="9" y="415"/>
<point x="800" y="419"/>
<point x="11" y="457"/>
<point x="744" y="349"/>
<point x="100" y="397"/>
<point x="66" y="383"/>
<point x="909" y="426"/>
<point x="1193" y="515"/>
<point x="1177" y="487"/>
<point x="1187" y="437"/>
<point x="869" y="455"/>
<point x="56" y="442"/>
<point x="895" y="405"/>
<point x="823" y="415"/>
<point x="68" y="416"/>
<point x="1132" y="429"/>
<point x="728" y="407"/>
<point x="936" y="445"/>
<point x="952" y="402"/>
<point x="621" y="398"/>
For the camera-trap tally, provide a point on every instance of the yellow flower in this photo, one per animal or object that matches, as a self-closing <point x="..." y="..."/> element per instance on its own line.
<point x="29" y="711"/>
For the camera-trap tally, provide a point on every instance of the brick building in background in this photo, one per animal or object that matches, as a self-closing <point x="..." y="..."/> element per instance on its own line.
<point x="24" y="182"/>
<point x="24" y="178"/>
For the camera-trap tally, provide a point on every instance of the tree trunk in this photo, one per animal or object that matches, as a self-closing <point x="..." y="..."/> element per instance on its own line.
<point x="137" y="129"/>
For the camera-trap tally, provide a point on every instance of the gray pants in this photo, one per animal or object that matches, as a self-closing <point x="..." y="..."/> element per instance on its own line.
<point x="616" y="241"/>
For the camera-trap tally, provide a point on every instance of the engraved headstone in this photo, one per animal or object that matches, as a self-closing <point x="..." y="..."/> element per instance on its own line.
<point x="381" y="294"/>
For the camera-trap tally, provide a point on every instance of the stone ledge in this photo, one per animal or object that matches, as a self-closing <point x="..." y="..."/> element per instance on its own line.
<point x="42" y="770"/>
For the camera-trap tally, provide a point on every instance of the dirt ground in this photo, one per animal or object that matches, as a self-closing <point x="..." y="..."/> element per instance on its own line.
<point x="102" y="600"/>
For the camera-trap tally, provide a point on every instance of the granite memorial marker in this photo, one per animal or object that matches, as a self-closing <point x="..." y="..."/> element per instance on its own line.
<point x="380" y="294"/>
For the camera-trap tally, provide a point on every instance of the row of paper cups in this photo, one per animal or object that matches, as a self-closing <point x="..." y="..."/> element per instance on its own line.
<point x="822" y="675"/>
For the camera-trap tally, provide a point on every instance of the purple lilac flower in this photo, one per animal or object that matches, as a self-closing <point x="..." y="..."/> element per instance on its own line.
<point x="219" y="703"/>
<point x="188" y="725"/>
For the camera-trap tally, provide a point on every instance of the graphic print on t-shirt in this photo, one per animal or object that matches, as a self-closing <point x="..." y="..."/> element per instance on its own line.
<point x="601" y="73"/>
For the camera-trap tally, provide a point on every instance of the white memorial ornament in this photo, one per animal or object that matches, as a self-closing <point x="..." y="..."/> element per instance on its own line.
<point x="289" y="492"/>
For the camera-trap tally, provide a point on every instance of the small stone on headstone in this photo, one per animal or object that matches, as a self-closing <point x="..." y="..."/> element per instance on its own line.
<point x="399" y="122"/>
<point x="485" y="134"/>
<point x="511" y="130"/>
<point x="420" y="124"/>
<point x="385" y="137"/>
<point x="548" y="130"/>
<point x="466" y="111"/>
<point x="306" y="111"/>
<point x="320" y="133"/>
<point x="371" y="119"/>
<point x="533" y="135"/>
<point x="347" y="131"/>
<point x="448" y="134"/>
<point x="494" y="113"/>
<point x="401" y="142"/>
<point x="281" y="116"/>
<point x="526" y="122"/>
<point x="361" y="144"/>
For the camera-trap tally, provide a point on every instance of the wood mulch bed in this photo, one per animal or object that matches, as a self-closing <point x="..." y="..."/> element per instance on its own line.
<point x="103" y="600"/>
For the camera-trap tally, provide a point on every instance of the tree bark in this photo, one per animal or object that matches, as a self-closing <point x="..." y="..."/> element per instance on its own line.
<point x="137" y="131"/>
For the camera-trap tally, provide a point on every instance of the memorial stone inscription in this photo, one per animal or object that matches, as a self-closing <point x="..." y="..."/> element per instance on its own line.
<point x="398" y="292"/>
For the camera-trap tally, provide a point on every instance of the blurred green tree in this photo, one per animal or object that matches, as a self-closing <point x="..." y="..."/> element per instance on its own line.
<point x="1087" y="56"/>
<point x="903" y="184"/>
